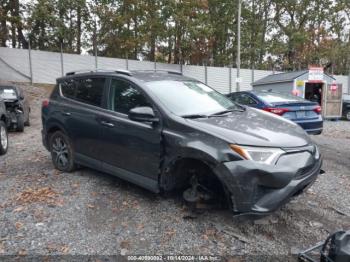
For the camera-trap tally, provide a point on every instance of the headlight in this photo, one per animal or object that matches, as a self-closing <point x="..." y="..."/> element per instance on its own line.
<point x="266" y="155"/>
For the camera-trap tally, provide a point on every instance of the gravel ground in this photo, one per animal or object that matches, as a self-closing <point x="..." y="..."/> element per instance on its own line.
<point x="43" y="211"/>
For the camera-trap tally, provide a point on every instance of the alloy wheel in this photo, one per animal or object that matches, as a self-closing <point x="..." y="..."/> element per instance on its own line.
<point x="60" y="152"/>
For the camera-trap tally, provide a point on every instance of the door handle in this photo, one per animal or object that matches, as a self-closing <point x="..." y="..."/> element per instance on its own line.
<point x="106" y="123"/>
<point x="66" y="113"/>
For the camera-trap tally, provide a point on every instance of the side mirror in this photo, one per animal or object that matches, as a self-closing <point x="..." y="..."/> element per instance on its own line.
<point x="21" y="96"/>
<point x="143" y="114"/>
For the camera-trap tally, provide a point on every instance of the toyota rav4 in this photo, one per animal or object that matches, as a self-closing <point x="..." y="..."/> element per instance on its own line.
<point x="164" y="131"/>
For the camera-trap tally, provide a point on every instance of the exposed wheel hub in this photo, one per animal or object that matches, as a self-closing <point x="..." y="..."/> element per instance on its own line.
<point x="197" y="192"/>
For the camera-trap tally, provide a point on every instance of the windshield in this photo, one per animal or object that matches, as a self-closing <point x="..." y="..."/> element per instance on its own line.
<point x="8" y="93"/>
<point x="184" y="98"/>
<point x="278" y="98"/>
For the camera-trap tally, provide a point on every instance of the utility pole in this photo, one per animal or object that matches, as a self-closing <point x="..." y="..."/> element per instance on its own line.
<point x="62" y="68"/>
<point x="30" y="61"/>
<point x="95" y="44"/>
<point x="238" y="62"/>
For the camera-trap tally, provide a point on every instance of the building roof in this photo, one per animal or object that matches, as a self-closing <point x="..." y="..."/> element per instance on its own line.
<point x="283" y="77"/>
<point x="280" y="77"/>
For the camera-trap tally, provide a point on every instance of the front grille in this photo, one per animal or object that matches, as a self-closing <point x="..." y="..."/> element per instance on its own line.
<point x="304" y="171"/>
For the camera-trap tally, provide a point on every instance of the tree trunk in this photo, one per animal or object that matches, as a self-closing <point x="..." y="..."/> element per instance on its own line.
<point x="78" y="29"/>
<point x="3" y="31"/>
<point x="13" y="35"/>
<point x="152" y="54"/>
<point x="177" y="58"/>
<point x="263" y="33"/>
<point x="70" y="37"/>
<point x="20" y="36"/>
<point x="170" y="47"/>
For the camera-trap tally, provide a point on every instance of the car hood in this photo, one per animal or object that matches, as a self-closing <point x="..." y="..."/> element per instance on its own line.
<point x="254" y="127"/>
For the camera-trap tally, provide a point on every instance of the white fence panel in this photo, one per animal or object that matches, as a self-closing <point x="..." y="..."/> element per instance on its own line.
<point x="17" y="58"/>
<point x="108" y="63"/>
<point x="169" y="67"/>
<point x="8" y="74"/>
<point x="197" y="72"/>
<point x="46" y="67"/>
<point x="219" y="79"/>
<point x="140" y="65"/>
<point x="75" y="62"/>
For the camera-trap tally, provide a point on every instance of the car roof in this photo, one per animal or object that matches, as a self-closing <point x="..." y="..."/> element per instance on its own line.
<point x="142" y="75"/>
<point x="257" y="92"/>
<point x="8" y="86"/>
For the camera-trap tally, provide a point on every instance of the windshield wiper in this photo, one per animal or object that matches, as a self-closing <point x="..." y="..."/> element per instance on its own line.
<point x="228" y="111"/>
<point x="193" y="116"/>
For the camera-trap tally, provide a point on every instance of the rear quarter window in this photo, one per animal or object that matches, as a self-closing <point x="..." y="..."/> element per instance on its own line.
<point x="68" y="88"/>
<point x="86" y="90"/>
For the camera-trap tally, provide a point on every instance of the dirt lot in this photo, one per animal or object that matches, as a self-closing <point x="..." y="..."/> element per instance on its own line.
<point x="43" y="211"/>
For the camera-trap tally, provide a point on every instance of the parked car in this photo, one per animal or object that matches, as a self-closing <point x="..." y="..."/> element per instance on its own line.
<point x="17" y="106"/>
<point x="164" y="131"/>
<point x="346" y="107"/>
<point x="3" y="128"/>
<point x="305" y="113"/>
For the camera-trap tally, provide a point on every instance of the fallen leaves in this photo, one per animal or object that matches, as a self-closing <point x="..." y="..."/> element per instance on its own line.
<point x="22" y="252"/>
<point x="125" y="244"/>
<point x="2" y="248"/>
<point x="18" y="225"/>
<point x="131" y="204"/>
<point x="44" y="195"/>
<point x="18" y="209"/>
<point x="52" y="247"/>
<point x="65" y="249"/>
<point x="209" y="233"/>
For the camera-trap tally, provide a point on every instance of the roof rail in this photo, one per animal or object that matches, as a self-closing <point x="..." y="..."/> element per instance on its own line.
<point x="124" y="72"/>
<point x="160" y="70"/>
<point x="79" y="71"/>
<point x="118" y="71"/>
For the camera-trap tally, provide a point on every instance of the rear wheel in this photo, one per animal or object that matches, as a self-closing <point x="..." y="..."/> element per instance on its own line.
<point x="61" y="152"/>
<point x="347" y="115"/>
<point x="20" y="123"/>
<point x="3" y="138"/>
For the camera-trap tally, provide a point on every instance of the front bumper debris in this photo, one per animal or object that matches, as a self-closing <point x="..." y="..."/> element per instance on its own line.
<point x="261" y="189"/>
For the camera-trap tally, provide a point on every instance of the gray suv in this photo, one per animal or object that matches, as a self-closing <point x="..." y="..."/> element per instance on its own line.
<point x="164" y="131"/>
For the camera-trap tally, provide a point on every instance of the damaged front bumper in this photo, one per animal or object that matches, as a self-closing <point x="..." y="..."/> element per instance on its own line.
<point x="259" y="189"/>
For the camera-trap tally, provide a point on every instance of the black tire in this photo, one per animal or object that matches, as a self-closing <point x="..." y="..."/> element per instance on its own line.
<point x="3" y="138"/>
<point x="61" y="152"/>
<point x="20" y="123"/>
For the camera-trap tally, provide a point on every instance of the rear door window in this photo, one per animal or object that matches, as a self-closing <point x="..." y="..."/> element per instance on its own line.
<point x="124" y="96"/>
<point x="86" y="90"/>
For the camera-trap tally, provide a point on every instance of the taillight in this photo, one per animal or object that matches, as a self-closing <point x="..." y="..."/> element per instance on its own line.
<point x="318" y="109"/>
<point x="277" y="111"/>
<point x="45" y="103"/>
